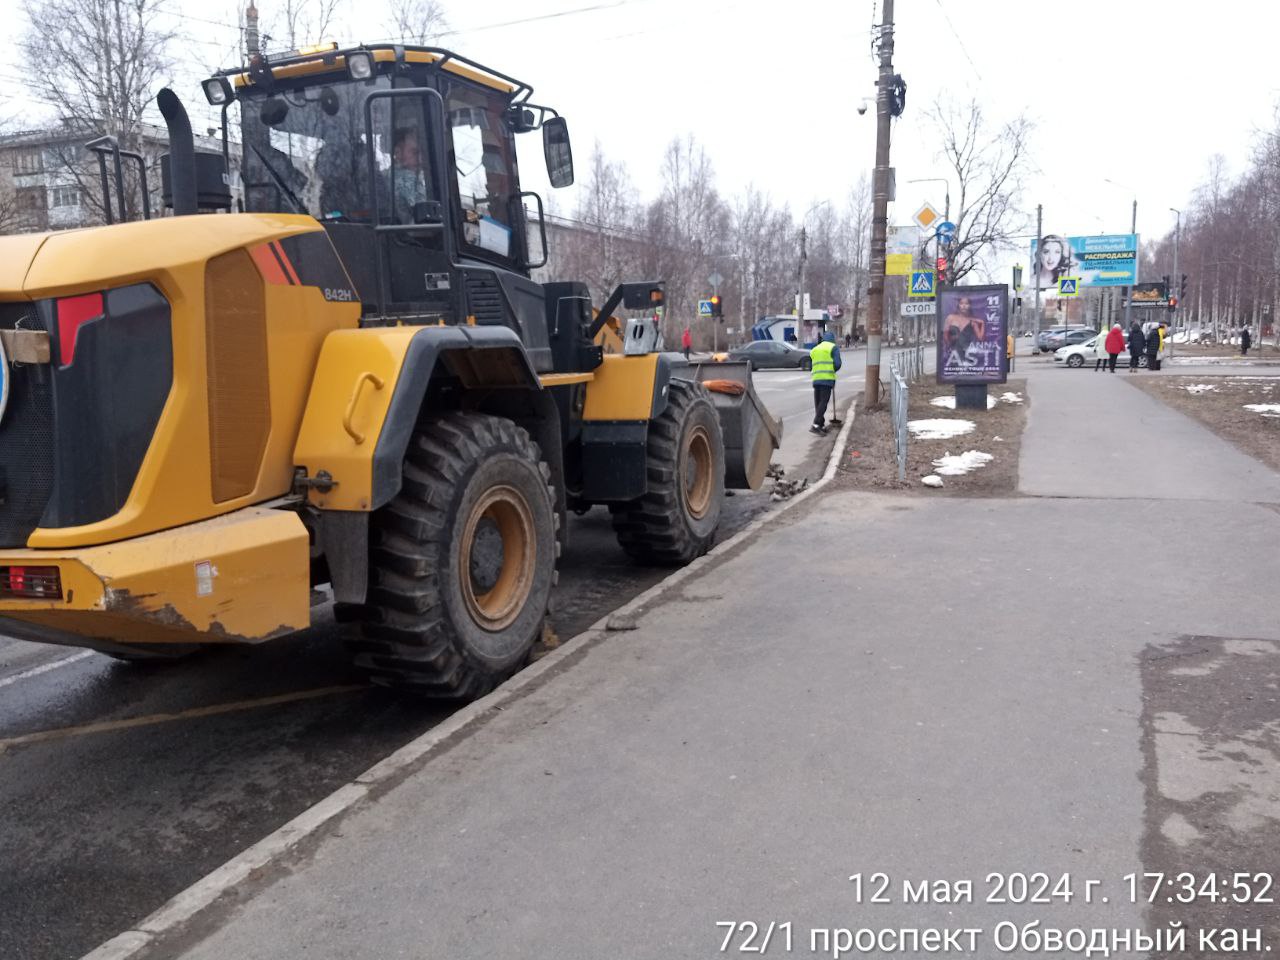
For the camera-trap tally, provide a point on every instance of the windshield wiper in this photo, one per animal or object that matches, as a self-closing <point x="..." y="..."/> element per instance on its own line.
<point x="284" y="187"/>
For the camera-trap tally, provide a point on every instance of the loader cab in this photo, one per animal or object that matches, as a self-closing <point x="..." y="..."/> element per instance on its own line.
<point x="407" y="157"/>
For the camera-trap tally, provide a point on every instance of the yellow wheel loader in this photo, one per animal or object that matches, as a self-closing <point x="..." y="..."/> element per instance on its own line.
<point x="348" y="382"/>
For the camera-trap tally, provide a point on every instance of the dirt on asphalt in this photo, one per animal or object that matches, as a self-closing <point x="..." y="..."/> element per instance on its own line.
<point x="870" y="461"/>
<point x="1222" y="403"/>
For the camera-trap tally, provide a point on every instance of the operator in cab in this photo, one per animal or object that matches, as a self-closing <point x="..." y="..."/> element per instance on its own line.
<point x="825" y="361"/>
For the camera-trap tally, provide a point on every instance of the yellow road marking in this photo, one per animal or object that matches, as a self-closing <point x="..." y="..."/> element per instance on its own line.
<point x="107" y="726"/>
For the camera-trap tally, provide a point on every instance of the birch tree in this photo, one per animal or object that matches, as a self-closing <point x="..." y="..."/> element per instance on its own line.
<point x="101" y="62"/>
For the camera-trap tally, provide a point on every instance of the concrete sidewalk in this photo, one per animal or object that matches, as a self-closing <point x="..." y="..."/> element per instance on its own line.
<point x="1094" y="435"/>
<point x="873" y="684"/>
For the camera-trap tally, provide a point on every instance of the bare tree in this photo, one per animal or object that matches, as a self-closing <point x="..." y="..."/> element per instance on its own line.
<point x="856" y="234"/>
<point x="686" y="230"/>
<point x="601" y="251"/>
<point x="306" y="22"/>
<point x="10" y="215"/>
<point x="101" y="61"/>
<point x="988" y="164"/>
<point x="417" y="21"/>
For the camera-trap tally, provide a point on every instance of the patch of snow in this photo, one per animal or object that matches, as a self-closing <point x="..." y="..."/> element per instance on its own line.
<point x="958" y="466"/>
<point x="939" y="429"/>
<point x="998" y="439"/>
<point x="1011" y="397"/>
<point x="1266" y="409"/>
<point x="1201" y="388"/>
<point x="949" y="403"/>
<point x="932" y="480"/>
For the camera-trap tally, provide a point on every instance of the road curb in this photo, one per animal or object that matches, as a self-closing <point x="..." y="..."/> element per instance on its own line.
<point x="202" y="894"/>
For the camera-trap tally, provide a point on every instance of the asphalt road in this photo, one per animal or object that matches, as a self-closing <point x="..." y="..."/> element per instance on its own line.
<point x="134" y="781"/>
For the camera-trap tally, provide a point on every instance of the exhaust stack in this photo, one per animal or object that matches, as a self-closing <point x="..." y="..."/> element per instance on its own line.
<point x="182" y="153"/>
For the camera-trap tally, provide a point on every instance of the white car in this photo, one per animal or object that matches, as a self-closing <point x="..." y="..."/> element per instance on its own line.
<point x="1077" y="355"/>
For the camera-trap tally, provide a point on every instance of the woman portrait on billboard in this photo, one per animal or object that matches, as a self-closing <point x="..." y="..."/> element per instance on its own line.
<point x="1053" y="261"/>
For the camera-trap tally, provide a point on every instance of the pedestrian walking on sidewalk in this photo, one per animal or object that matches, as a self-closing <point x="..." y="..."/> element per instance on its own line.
<point x="1246" y="341"/>
<point x="1114" y="346"/>
<point x="686" y="342"/>
<point x="824" y="361"/>
<point x="1137" y="344"/>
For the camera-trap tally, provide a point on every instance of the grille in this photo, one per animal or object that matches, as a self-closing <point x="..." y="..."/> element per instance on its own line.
<point x="484" y="299"/>
<point x="236" y="351"/>
<point x="26" y="438"/>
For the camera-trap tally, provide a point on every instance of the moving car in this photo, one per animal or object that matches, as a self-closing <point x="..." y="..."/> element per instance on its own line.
<point x="766" y="354"/>
<point x="1043" y="338"/>
<point x="1078" y="354"/>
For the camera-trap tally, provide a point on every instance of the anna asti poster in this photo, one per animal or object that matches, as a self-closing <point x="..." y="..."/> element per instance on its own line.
<point x="972" y="326"/>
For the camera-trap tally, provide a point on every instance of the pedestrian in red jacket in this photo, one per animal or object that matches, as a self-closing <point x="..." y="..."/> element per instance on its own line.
<point x="686" y="341"/>
<point x="1114" y="346"/>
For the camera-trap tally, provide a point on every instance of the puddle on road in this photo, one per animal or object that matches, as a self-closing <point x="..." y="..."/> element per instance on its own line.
<point x="1211" y="747"/>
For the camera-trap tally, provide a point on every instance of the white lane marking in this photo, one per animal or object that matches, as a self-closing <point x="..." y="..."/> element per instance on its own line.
<point x="45" y="668"/>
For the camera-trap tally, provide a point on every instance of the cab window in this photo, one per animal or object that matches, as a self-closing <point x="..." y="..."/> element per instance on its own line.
<point x="484" y="162"/>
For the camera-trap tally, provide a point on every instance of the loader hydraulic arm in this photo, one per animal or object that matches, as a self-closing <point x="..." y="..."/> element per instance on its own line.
<point x="634" y="296"/>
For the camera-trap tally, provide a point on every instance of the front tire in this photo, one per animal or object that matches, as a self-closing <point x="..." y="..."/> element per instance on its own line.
<point x="676" y="520"/>
<point x="1075" y="360"/>
<point x="462" y="561"/>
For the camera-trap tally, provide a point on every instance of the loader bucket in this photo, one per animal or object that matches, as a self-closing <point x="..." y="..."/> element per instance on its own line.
<point x="751" y="432"/>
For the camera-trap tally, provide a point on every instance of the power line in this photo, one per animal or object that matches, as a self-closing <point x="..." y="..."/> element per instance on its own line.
<point x="959" y="41"/>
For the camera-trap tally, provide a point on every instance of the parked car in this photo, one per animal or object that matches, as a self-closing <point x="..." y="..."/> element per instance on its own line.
<point x="1042" y="340"/>
<point x="1069" y="338"/>
<point x="772" y="354"/>
<point x="1078" y="354"/>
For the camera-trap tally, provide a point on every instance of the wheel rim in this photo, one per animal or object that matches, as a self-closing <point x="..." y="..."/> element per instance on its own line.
<point x="698" y="479"/>
<point x="497" y="558"/>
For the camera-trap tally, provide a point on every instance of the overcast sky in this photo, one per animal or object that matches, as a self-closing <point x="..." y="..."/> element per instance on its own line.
<point x="1137" y="92"/>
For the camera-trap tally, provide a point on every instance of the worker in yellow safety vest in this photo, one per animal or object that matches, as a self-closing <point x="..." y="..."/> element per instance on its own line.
<point x="824" y="361"/>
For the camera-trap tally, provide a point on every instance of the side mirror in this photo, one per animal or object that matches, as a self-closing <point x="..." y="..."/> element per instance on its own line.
<point x="558" y="152"/>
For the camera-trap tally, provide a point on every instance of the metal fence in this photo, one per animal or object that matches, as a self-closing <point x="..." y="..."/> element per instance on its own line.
<point x="898" y="398"/>
<point x="909" y="362"/>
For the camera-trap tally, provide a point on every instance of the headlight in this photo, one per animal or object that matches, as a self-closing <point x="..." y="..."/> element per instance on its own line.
<point x="360" y="65"/>
<point x="217" y="90"/>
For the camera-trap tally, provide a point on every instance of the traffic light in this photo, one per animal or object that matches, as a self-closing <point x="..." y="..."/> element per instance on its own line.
<point x="1182" y="290"/>
<point x="1167" y="289"/>
<point x="716" y="306"/>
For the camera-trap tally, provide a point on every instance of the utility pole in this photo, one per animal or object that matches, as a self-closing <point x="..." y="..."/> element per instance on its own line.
<point x="1177" y="277"/>
<point x="1137" y="260"/>
<point x="879" y="210"/>
<point x="1035" y="266"/>
<point x="804" y="255"/>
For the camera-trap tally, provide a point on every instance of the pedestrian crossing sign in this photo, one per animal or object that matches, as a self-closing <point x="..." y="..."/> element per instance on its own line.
<point x="1068" y="286"/>
<point x="922" y="284"/>
<point x="704" y="308"/>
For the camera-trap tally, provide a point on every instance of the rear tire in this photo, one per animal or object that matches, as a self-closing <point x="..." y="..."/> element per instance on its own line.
<point x="806" y="364"/>
<point x="462" y="561"/>
<point x="676" y="520"/>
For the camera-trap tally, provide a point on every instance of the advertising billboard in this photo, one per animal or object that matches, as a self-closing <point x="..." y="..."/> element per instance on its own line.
<point x="1108" y="260"/>
<point x="1149" y="295"/>
<point x="972" y="325"/>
